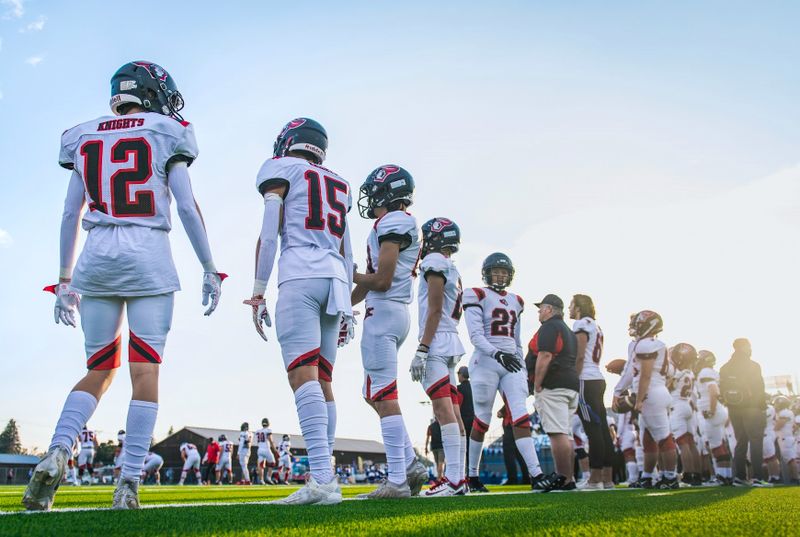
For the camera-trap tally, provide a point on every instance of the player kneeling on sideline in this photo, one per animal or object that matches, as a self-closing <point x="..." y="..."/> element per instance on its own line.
<point x="392" y="251"/>
<point x="126" y="170"/>
<point x="439" y="347"/>
<point x="265" y="456"/>
<point x="493" y="316"/>
<point x="307" y="204"/>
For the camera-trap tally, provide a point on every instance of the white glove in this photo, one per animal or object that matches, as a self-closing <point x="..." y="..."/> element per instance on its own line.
<point x="347" y="329"/>
<point x="418" y="363"/>
<point x="212" y="288"/>
<point x="260" y="314"/>
<point x="67" y="302"/>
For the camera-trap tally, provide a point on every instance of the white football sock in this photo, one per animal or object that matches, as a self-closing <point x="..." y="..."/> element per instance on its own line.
<point x="78" y="408"/>
<point x="451" y="442"/>
<point x="141" y="422"/>
<point x="527" y="449"/>
<point x="463" y="455"/>
<point x="313" y="417"/>
<point x="410" y="454"/>
<point x="393" y="431"/>
<point x="331" y="424"/>
<point x="645" y="475"/>
<point x="670" y="474"/>
<point x="475" y="450"/>
<point x="633" y="471"/>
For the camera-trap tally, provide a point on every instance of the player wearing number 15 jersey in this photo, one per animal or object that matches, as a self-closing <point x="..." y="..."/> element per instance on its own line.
<point x="493" y="316"/>
<point x="126" y="169"/>
<point x="307" y="205"/>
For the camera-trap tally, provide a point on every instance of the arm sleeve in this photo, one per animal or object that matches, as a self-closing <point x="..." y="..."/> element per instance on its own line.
<point x="474" y="318"/>
<point x="268" y="241"/>
<point x="70" y="219"/>
<point x="517" y="336"/>
<point x="181" y="187"/>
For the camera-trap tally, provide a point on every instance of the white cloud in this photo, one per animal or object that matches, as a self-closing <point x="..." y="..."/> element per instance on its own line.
<point x="35" y="26"/>
<point x="5" y="239"/>
<point x="14" y="9"/>
<point x="33" y="61"/>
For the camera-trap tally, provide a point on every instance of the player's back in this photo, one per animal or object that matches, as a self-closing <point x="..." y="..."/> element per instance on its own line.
<point x="400" y="227"/>
<point x="445" y="341"/>
<point x="500" y="311"/>
<point x="594" y="347"/>
<point x="87" y="439"/>
<point x="262" y="436"/>
<point x="315" y="209"/>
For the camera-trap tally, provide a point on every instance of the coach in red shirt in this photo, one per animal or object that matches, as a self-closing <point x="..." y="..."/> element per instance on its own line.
<point x="211" y="459"/>
<point x="554" y="348"/>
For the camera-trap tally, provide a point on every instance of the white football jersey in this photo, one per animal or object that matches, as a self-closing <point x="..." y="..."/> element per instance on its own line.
<point x="787" y="430"/>
<point x="649" y="349"/>
<point x="769" y="430"/>
<point x="682" y="385"/>
<point x="314" y="223"/>
<point x="87" y="439"/>
<point x="493" y="319"/>
<point x="262" y="437"/>
<point x="705" y="378"/>
<point x="226" y="447"/>
<point x="400" y="227"/>
<point x="245" y="439"/>
<point x="445" y="342"/>
<point x="594" y="348"/>
<point x="285" y="448"/>
<point x="189" y="449"/>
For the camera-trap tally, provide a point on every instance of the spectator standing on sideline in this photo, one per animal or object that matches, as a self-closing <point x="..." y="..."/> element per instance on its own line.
<point x="742" y="389"/>
<point x="553" y="349"/>
<point x="210" y="459"/>
<point x="433" y="439"/>
<point x="511" y="455"/>
<point x="467" y="410"/>
<point x="592" y="407"/>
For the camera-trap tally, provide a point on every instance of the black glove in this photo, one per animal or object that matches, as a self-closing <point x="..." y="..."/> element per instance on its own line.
<point x="508" y="360"/>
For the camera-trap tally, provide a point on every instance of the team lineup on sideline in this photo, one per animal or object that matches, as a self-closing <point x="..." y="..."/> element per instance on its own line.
<point x="692" y="429"/>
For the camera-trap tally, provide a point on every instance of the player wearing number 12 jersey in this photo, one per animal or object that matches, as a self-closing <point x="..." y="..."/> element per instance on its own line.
<point x="126" y="169"/>
<point x="307" y="204"/>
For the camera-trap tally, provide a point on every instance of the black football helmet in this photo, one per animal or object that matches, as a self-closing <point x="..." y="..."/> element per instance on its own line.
<point x="147" y="85"/>
<point x="497" y="260"/>
<point x="384" y="186"/>
<point x="704" y="359"/>
<point x="265" y="422"/>
<point x="439" y="233"/>
<point x="222" y="438"/>
<point x="644" y="324"/>
<point x="245" y="426"/>
<point x="304" y="135"/>
<point x="683" y="356"/>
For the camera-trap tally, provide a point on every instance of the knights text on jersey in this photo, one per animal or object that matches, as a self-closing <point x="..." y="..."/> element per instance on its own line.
<point x="649" y="349"/>
<point x="445" y="342"/>
<point x="499" y="319"/>
<point x="315" y="210"/>
<point x="123" y="164"/>
<point x="594" y="348"/>
<point x="399" y="227"/>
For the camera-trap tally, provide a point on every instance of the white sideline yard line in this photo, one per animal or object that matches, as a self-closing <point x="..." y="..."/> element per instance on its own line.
<point x="220" y="504"/>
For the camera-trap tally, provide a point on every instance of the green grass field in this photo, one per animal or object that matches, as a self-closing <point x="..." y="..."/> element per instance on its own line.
<point x="710" y="511"/>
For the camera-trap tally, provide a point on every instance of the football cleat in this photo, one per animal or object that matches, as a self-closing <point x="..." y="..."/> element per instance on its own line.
<point x="541" y="482"/>
<point x="442" y="487"/>
<point x="386" y="490"/>
<point x="416" y="475"/>
<point x="741" y="482"/>
<point x="462" y="489"/>
<point x="312" y="493"/>
<point x="46" y="478"/>
<point x="126" y="495"/>
<point x="475" y="485"/>
<point x="588" y="486"/>
<point x="666" y="483"/>
<point x="759" y="483"/>
<point x="609" y="485"/>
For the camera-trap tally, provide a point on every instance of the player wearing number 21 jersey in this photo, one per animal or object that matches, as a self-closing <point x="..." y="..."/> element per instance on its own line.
<point x="125" y="170"/>
<point x="307" y="205"/>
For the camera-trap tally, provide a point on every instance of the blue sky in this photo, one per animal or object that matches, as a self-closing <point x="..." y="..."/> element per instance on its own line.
<point x="642" y="152"/>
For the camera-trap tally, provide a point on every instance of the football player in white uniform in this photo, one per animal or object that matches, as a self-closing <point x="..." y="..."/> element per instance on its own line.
<point x="72" y="466"/>
<point x="152" y="466"/>
<point x="265" y="456"/>
<point x="592" y="408"/>
<point x="682" y="415"/>
<point x="88" y="443"/>
<point x="627" y="436"/>
<point x="714" y="415"/>
<point x="285" y="459"/>
<point x="307" y="204"/>
<point x="439" y="348"/>
<point x="191" y="461"/>
<point x="392" y="251"/>
<point x="245" y="441"/>
<point x="225" y="463"/>
<point x="493" y="318"/>
<point x="784" y="430"/>
<point x="126" y="169"/>
<point x="769" y="452"/>
<point x="119" y="454"/>
<point x="647" y="377"/>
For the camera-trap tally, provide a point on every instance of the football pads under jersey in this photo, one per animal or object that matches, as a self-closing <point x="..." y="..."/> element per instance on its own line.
<point x="594" y="348"/>
<point x="497" y="322"/>
<point x="315" y="210"/>
<point x="445" y="342"/>
<point x="649" y="349"/>
<point x="399" y="227"/>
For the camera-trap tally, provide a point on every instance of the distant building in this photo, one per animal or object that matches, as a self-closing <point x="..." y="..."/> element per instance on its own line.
<point x="14" y="468"/>
<point x="346" y="450"/>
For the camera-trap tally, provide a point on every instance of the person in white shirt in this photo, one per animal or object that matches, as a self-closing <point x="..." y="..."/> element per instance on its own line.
<point x="245" y="441"/>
